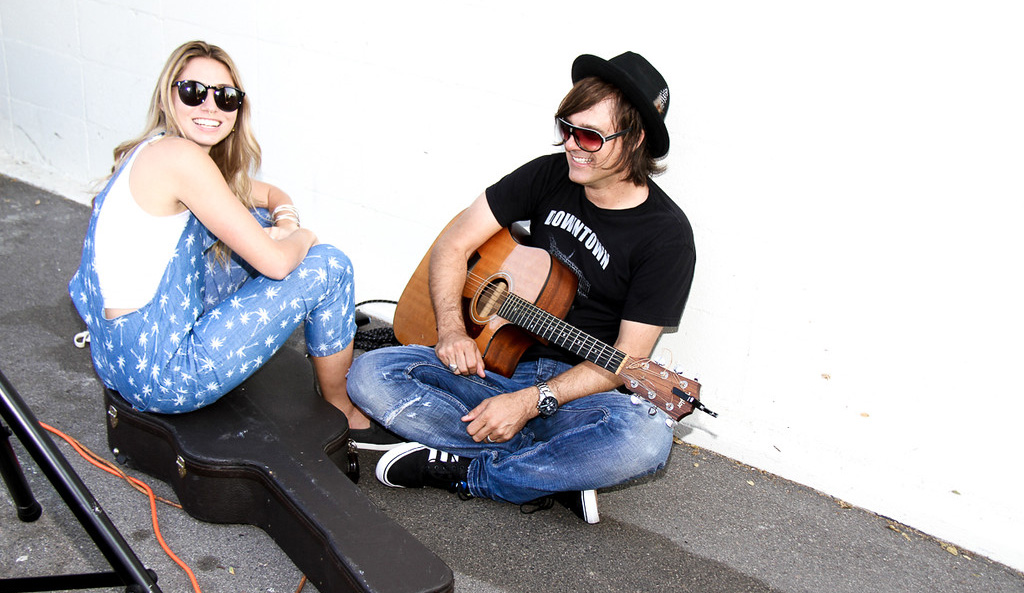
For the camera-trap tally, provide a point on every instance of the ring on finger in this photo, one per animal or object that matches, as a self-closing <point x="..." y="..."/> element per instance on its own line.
<point x="453" y="367"/>
<point x="490" y="440"/>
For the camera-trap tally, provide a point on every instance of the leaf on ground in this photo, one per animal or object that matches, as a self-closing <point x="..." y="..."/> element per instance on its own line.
<point x="897" y="530"/>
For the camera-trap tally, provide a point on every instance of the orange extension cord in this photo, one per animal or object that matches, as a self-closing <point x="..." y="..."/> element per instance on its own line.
<point x="141" y="486"/>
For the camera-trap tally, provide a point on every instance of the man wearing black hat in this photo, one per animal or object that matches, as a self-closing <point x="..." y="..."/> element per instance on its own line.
<point x="559" y="426"/>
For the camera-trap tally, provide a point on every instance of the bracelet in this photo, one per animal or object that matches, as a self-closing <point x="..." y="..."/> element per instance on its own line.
<point x="285" y="212"/>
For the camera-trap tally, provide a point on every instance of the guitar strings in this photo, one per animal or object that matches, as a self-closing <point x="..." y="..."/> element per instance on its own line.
<point x="583" y="344"/>
<point x="581" y="341"/>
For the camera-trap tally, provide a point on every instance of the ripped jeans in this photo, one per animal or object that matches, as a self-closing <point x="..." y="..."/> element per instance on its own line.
<point x="593" y="442"/>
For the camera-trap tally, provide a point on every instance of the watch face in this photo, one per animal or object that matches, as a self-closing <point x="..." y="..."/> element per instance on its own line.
<point x="547" y="406"/>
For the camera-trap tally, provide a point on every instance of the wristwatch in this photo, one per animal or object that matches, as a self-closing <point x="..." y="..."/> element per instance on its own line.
<point x="546" y="403"/>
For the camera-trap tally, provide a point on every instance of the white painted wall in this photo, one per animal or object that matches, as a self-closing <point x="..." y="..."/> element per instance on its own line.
<point x="852" y="171"/>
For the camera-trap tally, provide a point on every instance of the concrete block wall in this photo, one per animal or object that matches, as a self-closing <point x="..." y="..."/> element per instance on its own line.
<point x="852" y="171"/>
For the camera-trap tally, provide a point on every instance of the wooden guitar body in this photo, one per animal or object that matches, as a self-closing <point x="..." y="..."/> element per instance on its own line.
<point x="502" y="265"/>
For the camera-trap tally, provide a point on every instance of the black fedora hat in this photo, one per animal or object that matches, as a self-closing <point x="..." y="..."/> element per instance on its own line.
<point x="642" y="85"/>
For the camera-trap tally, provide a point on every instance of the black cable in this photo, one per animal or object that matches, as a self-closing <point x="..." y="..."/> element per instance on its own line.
<point x="371" y="301"/>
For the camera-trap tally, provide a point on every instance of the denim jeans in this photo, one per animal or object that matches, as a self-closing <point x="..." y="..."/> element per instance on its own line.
<point x="185" y="348"/>
<point x="593" y="442"/>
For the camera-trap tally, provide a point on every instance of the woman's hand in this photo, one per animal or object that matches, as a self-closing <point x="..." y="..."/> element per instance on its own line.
<point x="282" y="230"/>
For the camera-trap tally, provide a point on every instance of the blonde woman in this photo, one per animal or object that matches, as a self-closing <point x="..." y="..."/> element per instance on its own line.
<point x="184" y="289"/>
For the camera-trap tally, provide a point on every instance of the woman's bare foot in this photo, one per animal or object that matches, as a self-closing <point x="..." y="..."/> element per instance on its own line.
<point x="331" y="376"/>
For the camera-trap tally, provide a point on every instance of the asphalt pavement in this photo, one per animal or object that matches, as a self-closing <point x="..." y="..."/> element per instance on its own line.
<point x="705" y="523"/>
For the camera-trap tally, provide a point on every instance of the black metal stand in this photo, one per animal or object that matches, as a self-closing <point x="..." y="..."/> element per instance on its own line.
<point x="127" y="568"/>
<point x="28" y="508"/>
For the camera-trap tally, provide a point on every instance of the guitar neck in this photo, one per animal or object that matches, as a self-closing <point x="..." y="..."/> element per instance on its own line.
<point x="545" y="325"/>
<point x="671" y="392"/>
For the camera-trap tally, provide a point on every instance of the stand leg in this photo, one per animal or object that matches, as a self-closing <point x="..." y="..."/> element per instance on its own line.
<point x="29" y="508"/>
<point x="16" y="413"/>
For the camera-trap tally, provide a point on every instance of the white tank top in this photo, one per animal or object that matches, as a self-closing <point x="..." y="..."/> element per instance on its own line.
<point x="132" y="246"/>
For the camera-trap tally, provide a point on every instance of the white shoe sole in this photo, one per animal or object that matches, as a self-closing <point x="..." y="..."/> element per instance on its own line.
<point x="590" y="514"/>
<point x="391" y="457"/>
<point x="377" y="447"/>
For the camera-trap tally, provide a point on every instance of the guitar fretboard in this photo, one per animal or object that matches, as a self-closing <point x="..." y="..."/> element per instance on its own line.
<point x="541" y="323"/>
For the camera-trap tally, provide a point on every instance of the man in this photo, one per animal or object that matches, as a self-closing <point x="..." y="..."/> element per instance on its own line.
<point x="559" y="425"/>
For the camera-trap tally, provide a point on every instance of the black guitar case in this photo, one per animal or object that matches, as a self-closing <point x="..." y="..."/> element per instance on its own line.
<point x="272" y="453"/>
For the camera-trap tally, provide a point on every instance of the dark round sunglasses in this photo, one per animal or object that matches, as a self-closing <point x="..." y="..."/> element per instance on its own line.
<point x="193" y="93"/>
<point x="588" y="140"/>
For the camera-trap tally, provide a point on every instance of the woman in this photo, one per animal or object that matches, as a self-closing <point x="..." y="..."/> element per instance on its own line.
<point x="184" y="290"/>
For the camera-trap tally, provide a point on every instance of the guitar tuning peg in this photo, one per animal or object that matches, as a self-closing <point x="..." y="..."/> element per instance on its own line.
<point x="635" y="400"/>
<point x="670" y="423"/>
<point x="678" y="369"/>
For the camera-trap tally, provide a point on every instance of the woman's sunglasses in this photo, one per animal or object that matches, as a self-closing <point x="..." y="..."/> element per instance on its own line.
<point x="193" y="94"/>
<point x="588" y="140"/>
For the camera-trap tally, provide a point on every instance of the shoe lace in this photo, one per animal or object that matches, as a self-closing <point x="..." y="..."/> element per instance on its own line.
<point x="449" y="471"/>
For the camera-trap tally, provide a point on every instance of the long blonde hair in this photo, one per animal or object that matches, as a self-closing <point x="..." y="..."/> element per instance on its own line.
<point x="238" y="156"/>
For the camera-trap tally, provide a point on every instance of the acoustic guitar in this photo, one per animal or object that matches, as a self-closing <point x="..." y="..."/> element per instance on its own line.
<point x="515" y="294"/>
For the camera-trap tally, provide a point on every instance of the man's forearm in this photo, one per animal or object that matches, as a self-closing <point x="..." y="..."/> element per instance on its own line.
<point x="447" y="277"/>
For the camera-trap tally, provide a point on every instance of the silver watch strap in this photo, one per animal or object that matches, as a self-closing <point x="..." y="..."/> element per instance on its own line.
<point x="545" y="391"/>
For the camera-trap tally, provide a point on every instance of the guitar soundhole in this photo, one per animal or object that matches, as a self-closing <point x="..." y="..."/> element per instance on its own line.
<point x="490" y="298"/>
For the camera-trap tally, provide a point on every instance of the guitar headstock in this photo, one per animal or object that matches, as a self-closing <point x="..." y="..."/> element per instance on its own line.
<point x="675" y="394"/>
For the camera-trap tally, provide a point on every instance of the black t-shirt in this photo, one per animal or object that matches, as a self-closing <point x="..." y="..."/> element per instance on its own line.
<point x="635" y="264"/>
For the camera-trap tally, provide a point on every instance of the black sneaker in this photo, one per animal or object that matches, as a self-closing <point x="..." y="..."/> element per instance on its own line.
<point x="375" y="438"/>
<point x="413" y="465"/>
<point x="582" y="503"/>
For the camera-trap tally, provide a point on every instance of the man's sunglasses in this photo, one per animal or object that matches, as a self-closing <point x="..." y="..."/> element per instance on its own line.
<point x="588" y="140"/>
<point x="193" y="94"/>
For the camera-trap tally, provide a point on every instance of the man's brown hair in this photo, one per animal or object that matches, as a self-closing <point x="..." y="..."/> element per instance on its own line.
<point x="635" y="157"/>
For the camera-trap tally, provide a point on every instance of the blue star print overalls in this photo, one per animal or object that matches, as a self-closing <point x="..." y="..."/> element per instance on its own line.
<point x="208" y="327"/>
